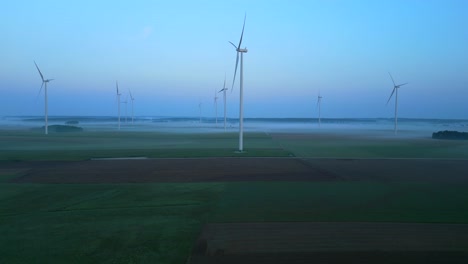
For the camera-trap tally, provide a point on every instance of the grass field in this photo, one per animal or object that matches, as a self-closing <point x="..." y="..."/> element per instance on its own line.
<point x="354" y="146"/>
<point x="27" y="145"/>
<point x="367" y="201"/>
<point x="141" y="223"/>
<point x="159" y="222"/>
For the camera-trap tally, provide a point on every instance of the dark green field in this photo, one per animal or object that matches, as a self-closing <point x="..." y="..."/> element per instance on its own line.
<point x="160" y="222"/>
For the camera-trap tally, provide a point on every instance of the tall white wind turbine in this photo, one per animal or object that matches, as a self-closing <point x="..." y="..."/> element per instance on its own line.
<point x="216" y="107"/>
<point x="240" y="51"/>
<point x="133" y="99"/>
<point x="395" y="90"/>
<point x="118" y="102"/>
<point x="44" y="83"/>
<point x="319" y="104"/>
<point x="224" y="98"/>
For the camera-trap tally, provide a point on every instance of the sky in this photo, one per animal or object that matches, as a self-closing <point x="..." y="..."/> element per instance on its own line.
<point x="174" y="55"/>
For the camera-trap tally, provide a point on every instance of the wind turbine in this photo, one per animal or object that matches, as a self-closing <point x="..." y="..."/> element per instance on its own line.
<point x="241" y="97"/>
<point x="395" y="90"/>
<point x="131" y="97"/>
<point x="216" y="107"/>
<point x="44" y="83"/>
<point x="224" y="97"/>
<point x="118" y="101"/>
<point x="319" y="104"/>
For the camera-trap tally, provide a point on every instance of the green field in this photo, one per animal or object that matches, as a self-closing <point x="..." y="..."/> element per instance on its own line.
<point x="26" y="145"/>
<point x="369" y="201"/>
<point x="343" y="146"/>
<point x="138" y="223"/>
<point x="158" y="222"/>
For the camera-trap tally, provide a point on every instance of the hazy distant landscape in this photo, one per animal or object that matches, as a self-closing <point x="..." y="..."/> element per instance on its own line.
<point x="197" y="132"/>
<point x="67" y="191"/>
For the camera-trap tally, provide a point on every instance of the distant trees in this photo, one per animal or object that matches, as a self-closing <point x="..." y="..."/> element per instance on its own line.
<point x="454" y="135"/>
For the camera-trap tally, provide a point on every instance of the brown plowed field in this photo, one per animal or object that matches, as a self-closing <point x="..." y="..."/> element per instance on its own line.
<point x="167" y="170"/>
<point x="237" y="169"/>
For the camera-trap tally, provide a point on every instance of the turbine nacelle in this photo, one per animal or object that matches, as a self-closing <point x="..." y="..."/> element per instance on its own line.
<point x="395" y="87"/>
<point x="398" y="86"/>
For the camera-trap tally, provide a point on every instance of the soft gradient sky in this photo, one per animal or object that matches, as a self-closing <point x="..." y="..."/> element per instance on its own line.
<point x="174" y="54"/>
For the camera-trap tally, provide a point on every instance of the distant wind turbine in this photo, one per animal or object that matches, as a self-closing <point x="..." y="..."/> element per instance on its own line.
<point x="131" y="97"/>
<point x="241" y="97"/>
<point x="224" y="98"/>
<point x="216" y="107"/>
<point x="395" y="90"/>
<point x="319" y="104"/>
<point x="118" y="101"/>
<point x="44" y="83"/>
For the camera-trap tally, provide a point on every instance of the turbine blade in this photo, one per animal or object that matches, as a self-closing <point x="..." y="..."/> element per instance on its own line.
<point x="392" y="79"/>
<point x="42" y="77"/>
<point x="391" y="95"/>
<point x="117" y="86"/>
<point x="402" y="84"/>
<point x="40" y="90"/>
<point x="242" y="34"/>
<point x="131" y="96"/>
<point x="233" y="44"/>
<point x="235" y="71"/>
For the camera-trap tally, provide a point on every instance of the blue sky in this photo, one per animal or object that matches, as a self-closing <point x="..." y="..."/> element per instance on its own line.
<point x="173" y="55"/>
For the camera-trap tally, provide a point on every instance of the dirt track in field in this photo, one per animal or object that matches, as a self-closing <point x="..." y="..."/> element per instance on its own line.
<point x="237" y="169"/>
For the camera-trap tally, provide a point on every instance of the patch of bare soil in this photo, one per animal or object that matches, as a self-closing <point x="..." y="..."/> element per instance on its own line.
<point x="238" y="169"/>
<point x="169" y="170"/>
<point x="416" y="170"/>
<point x="331" y="243"/>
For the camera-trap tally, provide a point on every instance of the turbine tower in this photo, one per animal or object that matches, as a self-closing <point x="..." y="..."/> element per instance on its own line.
<point x="125" y="102"/>
<point x="131" y="97"/>
<point x="224" y="98"/>
<point x="395" y="90"/>
<point x="216" y="107"/>
<point x="240" y="51"/>
<point x="44" y="83"/>
<point x="319" y="104"/>
<point x="118" y="102"/>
